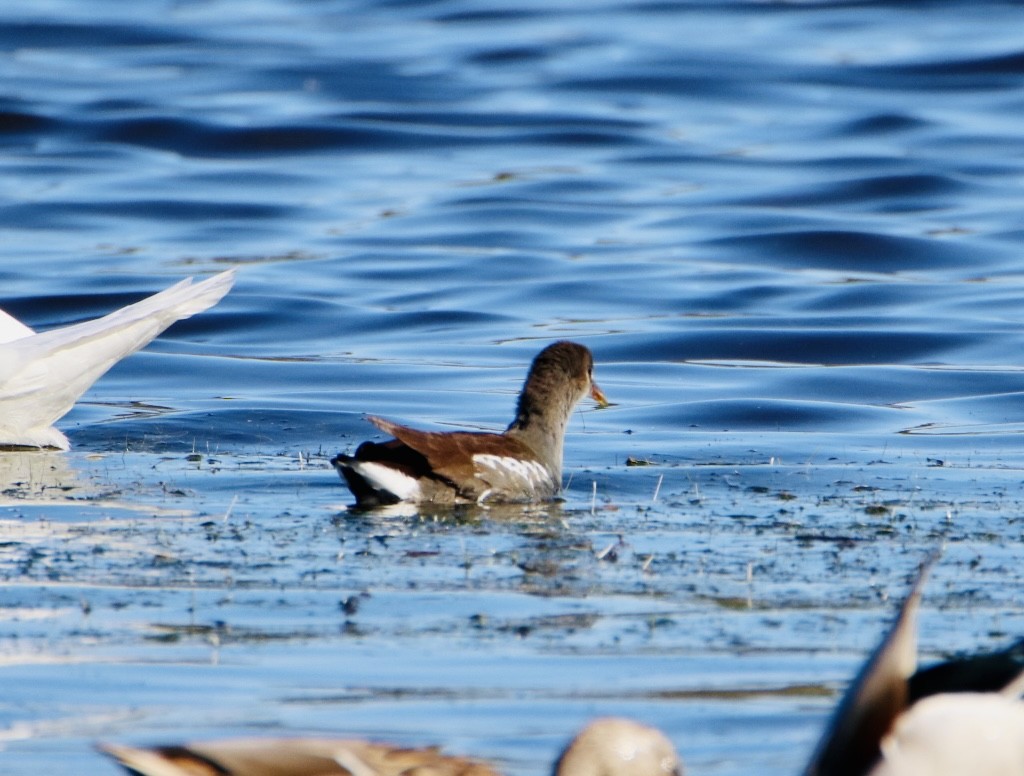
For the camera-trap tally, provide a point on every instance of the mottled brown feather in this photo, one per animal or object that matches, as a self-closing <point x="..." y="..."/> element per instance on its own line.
<point x="293" y="757"/>
<point x="606" y="747"/>
<point x="450" y="454"/>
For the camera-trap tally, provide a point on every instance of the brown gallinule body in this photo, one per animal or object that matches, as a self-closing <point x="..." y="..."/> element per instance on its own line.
<point x="522" y="464"/>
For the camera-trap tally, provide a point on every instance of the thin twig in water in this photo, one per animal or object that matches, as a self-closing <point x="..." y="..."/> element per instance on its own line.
<point x="657" y="488"/>
<point x="230" y="508"/>
<point x="593" y="498"/>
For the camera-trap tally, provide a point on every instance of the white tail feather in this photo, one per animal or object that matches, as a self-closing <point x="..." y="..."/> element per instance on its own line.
<point x="42" y="375"/>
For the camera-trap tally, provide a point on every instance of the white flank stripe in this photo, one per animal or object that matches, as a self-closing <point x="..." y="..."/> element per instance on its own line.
<point x="382" y="477"/>
<point x="514" y="472"/>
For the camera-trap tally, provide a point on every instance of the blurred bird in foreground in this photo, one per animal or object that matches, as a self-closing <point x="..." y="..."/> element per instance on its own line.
<point x="963" y="717"/>
<point x="606" y="747"/>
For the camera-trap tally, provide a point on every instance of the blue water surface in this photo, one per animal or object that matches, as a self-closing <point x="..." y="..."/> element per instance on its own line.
<point x="790" y="233"/>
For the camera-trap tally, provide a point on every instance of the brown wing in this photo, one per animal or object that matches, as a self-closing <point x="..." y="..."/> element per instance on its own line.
<point x="450" y="454"/>
<point x="292" y="757"/>
<point x="879" y="694"/>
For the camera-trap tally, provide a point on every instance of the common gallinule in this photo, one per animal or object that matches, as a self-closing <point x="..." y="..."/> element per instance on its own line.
<point x="523" y="464"/>
<point x="606" y="747"/>
<point x="42" y="375"/>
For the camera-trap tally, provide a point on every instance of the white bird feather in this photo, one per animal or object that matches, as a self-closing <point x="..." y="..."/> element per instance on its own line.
<point x="43" y="375"/>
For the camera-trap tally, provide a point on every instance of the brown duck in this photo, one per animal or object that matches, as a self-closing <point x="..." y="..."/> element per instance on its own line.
<point x="606" y="747"/>
<point x="523" y="464"/>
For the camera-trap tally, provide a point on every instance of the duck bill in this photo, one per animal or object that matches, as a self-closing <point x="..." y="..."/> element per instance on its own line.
<point x="598" y="395"/>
